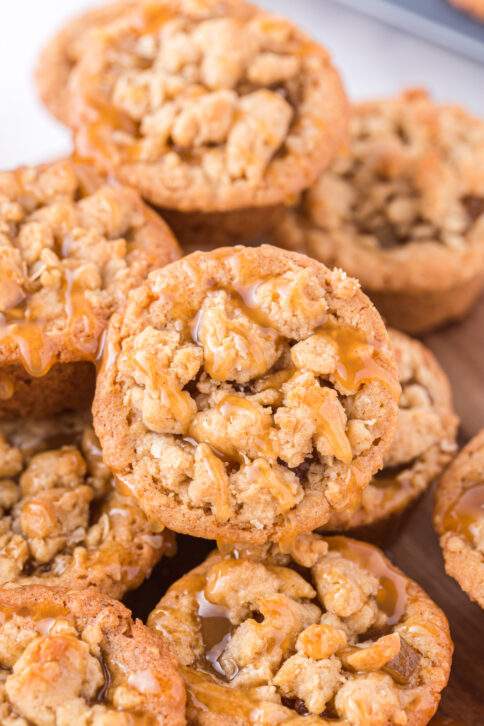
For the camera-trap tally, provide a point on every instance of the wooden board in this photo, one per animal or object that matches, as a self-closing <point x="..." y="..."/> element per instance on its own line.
<point x="409" y="541"/>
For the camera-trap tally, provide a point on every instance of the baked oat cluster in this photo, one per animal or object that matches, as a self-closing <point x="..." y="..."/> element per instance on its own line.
<point x="70" y="249"/>
<point x="62" y="522"/>
<point x="402" y="210"/>
<point x="412" y="176"/>
<point x="77" y="657"/>
<point x="206" y="105"/>
<point x="246" y="394"/>
<point x="459" y="518"/>
<point x="336" y="632"/>
<point x="424" y="441"/>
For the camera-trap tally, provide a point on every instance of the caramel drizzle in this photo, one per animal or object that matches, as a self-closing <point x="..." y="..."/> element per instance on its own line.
<point x="466" y="512"/>
<point x="357" y="360"/>
<point x="99" y="117"/>
<point x="392" y="594"/>
<point x="36" y="352"/>
<point x="216" y="631"/>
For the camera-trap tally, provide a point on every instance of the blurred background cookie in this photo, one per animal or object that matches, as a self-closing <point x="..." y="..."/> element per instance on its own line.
<point x="335" y="632"/>
<point x="423" y="443"/>
<point x="62" y="522"/>
<point x="459" y="518"/>
<point x="246" y="393"/>
<point x="474" y="7"/>
<point x="71" y="248"/>
<point x="402" y="210"/>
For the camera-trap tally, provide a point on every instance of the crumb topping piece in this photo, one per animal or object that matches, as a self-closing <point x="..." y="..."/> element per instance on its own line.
<point x="253" y="392"/>
<point x="64" y="660"/>
<point x="61" y="520"/>
<point x="328" y="635"/>
<point x="215" y="92"/>
<point x="412" y="176"/>
<point x="70" y="249"/>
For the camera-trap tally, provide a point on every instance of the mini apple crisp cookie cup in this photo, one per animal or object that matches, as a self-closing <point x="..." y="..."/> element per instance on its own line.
<point x="459" y="518"/>
<point x="70" y="657"/>
<point x="402" y="210"/>
<point x="207" y="105"/>
<point x="62" y="521"/>
<point x="333" y="633"/>
<point x="424" y="442"/>
<point x="70" y="249"/>
<point x="245" y="394"/>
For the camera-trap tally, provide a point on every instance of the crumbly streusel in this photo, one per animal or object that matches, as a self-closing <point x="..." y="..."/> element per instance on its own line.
<point x="403" y="209"/>
<point x="245" y="394"/>
<point x="334" y="633"/>
<point x="70" y="249"/>
<point x="77" y="657"/>
<point x="63" y="51"/>
<point x="459" y="518"/>
<point x="61" y="521"/>
<point x="424" y="441"/>
<point x="207" y="105"/>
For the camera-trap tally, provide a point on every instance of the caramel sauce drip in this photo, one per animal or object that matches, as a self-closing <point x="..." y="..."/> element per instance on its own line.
<point x="466" y="512"/>
<point x="94" y="137"/>
<point x="357" y="360"/>
<point x="36" y="351"/>
<point x="392" y="593"/>
<point x="232" y="406"/>
<point x="216" y="630"/>
<point x="217" y="476"/>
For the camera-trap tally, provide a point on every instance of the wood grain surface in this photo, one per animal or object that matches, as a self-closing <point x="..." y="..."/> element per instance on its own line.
<point x="410" y="540"/>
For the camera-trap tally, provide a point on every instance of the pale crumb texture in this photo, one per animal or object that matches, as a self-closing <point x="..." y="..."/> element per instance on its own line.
<point x="68" y="657"/>
<point x="70" y="249"/>
<point x="424" y="442"/>
<point x="403" y="208"/>
<point x="61" y="521"/>
<point x="308" y="639"/>
<point x="63" y="51"/>
<point x="245" y="394"/>
<point x="474" y="7"/>
<point x="207" y="105"/>
<point x="459" y="518"/>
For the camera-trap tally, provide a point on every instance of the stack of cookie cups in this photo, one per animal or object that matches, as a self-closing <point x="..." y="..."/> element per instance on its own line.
<point x="246" y="395"/>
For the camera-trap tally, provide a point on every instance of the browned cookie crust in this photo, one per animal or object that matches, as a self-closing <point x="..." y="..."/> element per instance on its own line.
<point x="424" y="441"/>
<point x="402" y="210"/>
<point x="336" y="634"/>
<point x="62" y="53"/>
<point x="70" y="657"/>
<point x="70" y="249"/>
<point x="62" y="523"/>
<point x="210" y="105"/>
<point x="475" y="7"/>
<point x="245" y="394"/>
<point x="459" y="518"/>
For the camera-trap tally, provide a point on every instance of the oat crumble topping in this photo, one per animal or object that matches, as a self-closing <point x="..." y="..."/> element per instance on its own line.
<point x="330" y="634"/>
<point x="70" y="249"/>
<point x="412" y="175"/>
<point x="249" y="397"/>
<point x="61" y="521"/>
